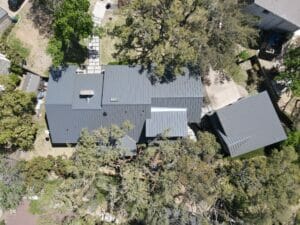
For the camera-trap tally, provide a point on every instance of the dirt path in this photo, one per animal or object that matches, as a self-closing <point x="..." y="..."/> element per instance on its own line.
<point x="22" y="216"/>
<point x="222" y="92"/>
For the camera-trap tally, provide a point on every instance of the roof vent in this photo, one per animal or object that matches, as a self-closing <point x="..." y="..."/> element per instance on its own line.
<point x="86" y="93"/>
<point x="114" y="99"/>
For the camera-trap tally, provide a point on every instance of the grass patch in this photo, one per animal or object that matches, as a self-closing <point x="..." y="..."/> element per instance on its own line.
<point x="238" y="75"/>
<point x="16" y="45"/>
<point x="41" y="205"/>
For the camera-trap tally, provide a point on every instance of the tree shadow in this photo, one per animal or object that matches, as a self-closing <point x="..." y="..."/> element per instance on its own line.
<point x="76" y="53"/>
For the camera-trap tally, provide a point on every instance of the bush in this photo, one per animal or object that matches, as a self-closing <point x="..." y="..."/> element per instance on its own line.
<point x="244" y="55"/>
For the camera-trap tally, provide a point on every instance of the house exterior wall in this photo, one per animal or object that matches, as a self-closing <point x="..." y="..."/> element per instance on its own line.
<point x="270" y="21"/>
<point x="193" y="106"/>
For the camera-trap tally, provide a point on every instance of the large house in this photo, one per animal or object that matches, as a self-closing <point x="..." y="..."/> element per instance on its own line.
<point x="280" y="15"/>
<point x="119" y="93"/>
<point x="248" y="124"/>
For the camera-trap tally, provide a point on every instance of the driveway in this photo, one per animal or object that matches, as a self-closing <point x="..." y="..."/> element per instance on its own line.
<point x="222" y="92"/>
<point x="4" y="5"/>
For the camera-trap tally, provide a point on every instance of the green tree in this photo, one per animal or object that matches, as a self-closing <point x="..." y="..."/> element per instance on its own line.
<point x="72" y="22"/>
<point x="175" y="34"/>
<point x="260" y="190"/>
<point x="12" y="186"/>
<point x="17" y="129"/>
<point x="291" y="75"/>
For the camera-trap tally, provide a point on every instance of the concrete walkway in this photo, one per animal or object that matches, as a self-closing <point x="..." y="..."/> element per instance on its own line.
<point x="94" y="56"/>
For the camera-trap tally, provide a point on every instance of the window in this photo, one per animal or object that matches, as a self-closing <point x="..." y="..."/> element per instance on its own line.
<point x="105" y="114"/>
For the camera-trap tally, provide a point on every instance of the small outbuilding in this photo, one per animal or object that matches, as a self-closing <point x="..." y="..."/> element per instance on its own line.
<point x="31" y="83"/>
<point x="249" y="124"/>
<point x="4" y="65"/>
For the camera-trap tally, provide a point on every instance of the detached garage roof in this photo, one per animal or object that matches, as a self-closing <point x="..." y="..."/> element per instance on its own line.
<point x="250" y="124"/>
<point x="172" y="121"/>
<point x="31" y="83"/>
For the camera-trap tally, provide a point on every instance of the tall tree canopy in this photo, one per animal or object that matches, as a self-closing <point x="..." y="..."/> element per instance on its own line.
<point x="176" y="33"/>
<point x="292" y="70"/>
<point x="17" y="129"/>
<point x="72" y="22"/>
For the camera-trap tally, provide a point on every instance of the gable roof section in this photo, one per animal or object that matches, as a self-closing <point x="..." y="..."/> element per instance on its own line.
<point x="128" y="85"/>
<point x="31" y="83"/>
<point x="92" y="82"/>
<point x="183" y="86"/>
<point x="60" y="87"/>
<point x="174" y="121"/>
<point x="249" y="124"/>
<point x="124" y="85"/>
<point x="128" y="145"/>
<point x="287" y="9"/>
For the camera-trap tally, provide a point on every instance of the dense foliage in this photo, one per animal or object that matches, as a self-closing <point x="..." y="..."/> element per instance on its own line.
<point x="17" y="129"/>
<point x="14" y="50"/>
<point x="174" y="34"/>
<point x="169" y="182"/>
<point x="291" y="75"/>
<point x="72" y="22"/>
<point x="12" y="186"/>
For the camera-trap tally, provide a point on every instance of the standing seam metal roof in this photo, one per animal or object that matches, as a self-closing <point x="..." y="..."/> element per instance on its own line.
<point x="287" y="9"/>
<point x="250" y="123"/>
<point x="174" y="122"/>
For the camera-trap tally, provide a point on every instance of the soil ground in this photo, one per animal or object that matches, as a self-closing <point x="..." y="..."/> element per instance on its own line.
<point x="42" y="147"/>
<point x="29" y="34"/>
<point x="222" y="92"/>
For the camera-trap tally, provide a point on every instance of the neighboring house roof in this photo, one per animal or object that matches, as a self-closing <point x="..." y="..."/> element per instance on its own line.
<point x="287" y="9"/>
<point x="250" y="124"/>
<point x="4" y="65"/>
<point x="172" y="121"/>
<point x="3" y="13"/>
<point x="31" y="83"/>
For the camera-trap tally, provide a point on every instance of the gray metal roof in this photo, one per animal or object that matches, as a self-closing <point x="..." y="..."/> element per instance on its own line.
<point x="60" y="87"/>
<point x="287" y="9"/>
<point x="249" y="124"/>
<point x="4" y="65"/>
<point x="128" y="85"/>
<point x="172" y="122"/>
<point x="2" y="13"/>
<point x="31" y="82"/>
<point x="125" y="85"/>
<point x="92" y="82"/>
<point x="128" y="144"/>
<point x="120" y="94"/>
